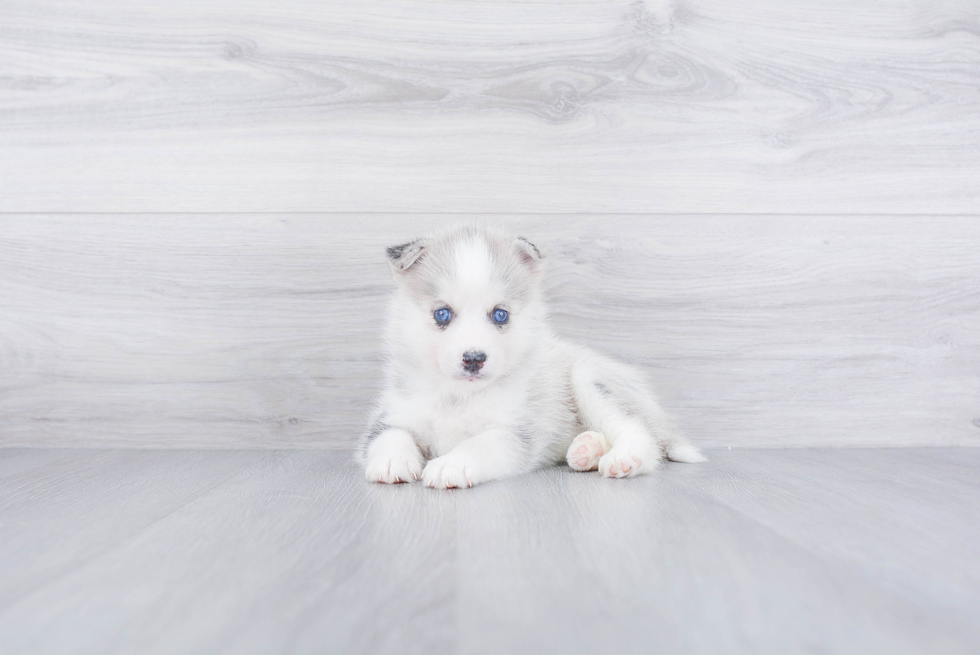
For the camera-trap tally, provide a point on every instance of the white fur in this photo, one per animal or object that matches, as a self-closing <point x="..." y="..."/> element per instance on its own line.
<point x="537" y="400"/>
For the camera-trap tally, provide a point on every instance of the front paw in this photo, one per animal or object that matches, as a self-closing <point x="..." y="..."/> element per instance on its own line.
<point x="391" y="468"/>
<point x="448" y="472"/>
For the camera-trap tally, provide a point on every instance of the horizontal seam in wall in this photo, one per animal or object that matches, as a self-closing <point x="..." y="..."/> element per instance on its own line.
<point x="469" y="213"/>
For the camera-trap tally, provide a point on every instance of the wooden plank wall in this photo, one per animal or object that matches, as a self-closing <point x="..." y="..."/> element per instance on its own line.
<point x="771" y="206"/>
<point x="264" y="330"/>
<point x="789" y="106"/>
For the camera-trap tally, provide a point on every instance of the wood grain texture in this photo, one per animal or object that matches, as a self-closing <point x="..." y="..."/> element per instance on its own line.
<point x="92" y="501"/>
<point x="264" y="331"/>
<point x="805" y="550"/>
<point x="490" y="106"/>
<point x="294" y="553"/>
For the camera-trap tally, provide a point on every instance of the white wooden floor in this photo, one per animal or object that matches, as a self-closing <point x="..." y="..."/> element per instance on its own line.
<point x="757" y="551"/>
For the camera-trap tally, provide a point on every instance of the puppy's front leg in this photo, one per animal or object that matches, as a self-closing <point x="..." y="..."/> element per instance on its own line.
<point x="392" y="456"/>
<point x="485" y="456"/>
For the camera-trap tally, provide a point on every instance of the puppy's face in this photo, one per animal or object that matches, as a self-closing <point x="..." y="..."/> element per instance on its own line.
<point x="469" y="304"/>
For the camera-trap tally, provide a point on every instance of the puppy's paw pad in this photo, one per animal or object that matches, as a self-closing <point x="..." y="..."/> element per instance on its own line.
<point x="622" y="463"/>
<point x="585" y="451"/>
<point x="392" y="470"/>
<point x="447" y="473"/>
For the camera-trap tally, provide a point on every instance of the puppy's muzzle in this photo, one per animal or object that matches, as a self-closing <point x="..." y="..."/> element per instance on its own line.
<point x="473" y="360"/>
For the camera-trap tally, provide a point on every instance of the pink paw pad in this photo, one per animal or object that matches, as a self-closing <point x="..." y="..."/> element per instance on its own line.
<point x="620" y="465"/>
<point x="585" y="451"/>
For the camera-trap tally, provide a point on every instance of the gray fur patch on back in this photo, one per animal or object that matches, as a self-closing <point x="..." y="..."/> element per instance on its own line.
<point x="623" y="400"/>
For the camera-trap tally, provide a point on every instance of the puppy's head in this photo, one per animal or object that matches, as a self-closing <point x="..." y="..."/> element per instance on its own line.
<point x="468" y="303"/>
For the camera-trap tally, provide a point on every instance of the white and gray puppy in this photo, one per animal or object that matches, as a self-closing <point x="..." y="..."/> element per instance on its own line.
<point x="478" y="387"/>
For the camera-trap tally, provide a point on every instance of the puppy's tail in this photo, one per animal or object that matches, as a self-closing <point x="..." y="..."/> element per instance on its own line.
<point x="684" y="453"/>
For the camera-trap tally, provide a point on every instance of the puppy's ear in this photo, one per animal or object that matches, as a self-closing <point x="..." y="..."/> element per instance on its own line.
<point x="529" y="253"/>
<point x="403" y="257"/>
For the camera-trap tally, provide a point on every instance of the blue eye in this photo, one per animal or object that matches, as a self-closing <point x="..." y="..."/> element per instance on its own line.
<point x="443" y="316"/>
<point x="500" y="316"/>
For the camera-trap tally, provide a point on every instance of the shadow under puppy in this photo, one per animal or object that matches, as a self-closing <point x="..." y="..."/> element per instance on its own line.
<point x="478" y="387"/>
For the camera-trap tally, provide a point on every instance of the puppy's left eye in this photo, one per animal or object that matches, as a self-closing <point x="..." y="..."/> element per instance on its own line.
<point x="500" y="316"/>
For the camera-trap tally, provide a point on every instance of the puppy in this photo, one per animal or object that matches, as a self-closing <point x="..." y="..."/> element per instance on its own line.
<point x="478" y="387"/>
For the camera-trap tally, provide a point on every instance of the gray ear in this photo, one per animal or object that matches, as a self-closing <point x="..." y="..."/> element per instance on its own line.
<point x="529" y="253"/>
<point x="402" y="257"/>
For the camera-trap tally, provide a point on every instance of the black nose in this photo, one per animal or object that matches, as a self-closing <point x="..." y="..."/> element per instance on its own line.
<point x="473" y="360"/>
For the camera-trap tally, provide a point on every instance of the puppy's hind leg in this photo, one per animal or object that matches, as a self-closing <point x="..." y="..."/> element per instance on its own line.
<point x="612" y="400"/>
<point x="633" y="451"/>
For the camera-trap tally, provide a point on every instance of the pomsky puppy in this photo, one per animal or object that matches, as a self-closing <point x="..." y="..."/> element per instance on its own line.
<point x="478" y="387"/>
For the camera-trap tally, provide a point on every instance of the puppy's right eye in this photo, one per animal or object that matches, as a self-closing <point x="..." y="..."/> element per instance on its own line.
<point x="443" y="316"/>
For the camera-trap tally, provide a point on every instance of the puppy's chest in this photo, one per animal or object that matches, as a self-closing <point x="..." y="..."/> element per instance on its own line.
<point x="441" y="422"/>
<point x="453" y="426"/>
